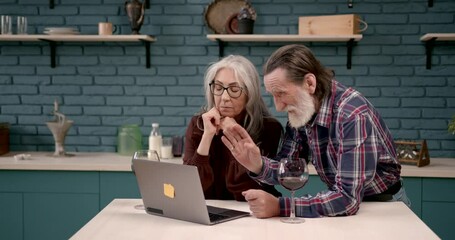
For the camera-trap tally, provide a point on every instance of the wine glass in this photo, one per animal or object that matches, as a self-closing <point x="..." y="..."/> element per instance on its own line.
<point x="151" y="155"/>
<point x="292" y="175"/>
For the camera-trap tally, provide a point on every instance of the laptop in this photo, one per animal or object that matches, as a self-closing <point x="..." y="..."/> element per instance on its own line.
<point x="175" y="191"/>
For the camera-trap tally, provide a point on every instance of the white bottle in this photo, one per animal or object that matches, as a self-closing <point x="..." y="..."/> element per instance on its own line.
<point x="155" y="139"/>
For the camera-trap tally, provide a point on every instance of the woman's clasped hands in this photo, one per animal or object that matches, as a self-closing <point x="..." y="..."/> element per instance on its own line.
<point x="214" y="122"/>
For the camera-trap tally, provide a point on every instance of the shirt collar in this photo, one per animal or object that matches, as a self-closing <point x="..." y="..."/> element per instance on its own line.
<point x="324" y="115"/>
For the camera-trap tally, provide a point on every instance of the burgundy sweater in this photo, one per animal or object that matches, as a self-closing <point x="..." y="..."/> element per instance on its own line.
<point x="222" y="177"/>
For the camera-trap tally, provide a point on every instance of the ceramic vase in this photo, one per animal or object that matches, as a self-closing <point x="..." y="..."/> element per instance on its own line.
<point x="59" y="131"/>
<point x="135" y="11"/>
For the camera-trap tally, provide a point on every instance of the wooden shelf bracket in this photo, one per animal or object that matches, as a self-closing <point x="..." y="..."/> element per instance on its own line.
<point x="147" y="53"/>
<point x="350" y="44"/>
<point x="220" y="48"/>
<point x="428" y="51"/>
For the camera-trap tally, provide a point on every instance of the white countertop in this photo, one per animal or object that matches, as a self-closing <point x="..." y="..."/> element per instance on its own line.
<point x="374" y="220"/>
<point x="81" y="161"/>
<point x="108" y="161"/>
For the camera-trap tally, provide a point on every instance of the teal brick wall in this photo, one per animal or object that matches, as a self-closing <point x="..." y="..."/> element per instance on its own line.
<point x="104" y="85"/>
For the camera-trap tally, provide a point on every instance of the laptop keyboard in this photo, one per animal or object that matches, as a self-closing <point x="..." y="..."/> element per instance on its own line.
<point x="216" y="217"/>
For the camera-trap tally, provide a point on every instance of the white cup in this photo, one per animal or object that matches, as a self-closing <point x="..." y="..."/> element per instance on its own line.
<point x="6" y="23"/>
<point x="106" y="28"/>
<point x="21" y="25"/>
<point x="166" y="148"/>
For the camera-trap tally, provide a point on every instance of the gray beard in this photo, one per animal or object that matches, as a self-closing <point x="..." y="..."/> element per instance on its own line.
<point x="297" y="121"/>
<point x="302" y="114"/>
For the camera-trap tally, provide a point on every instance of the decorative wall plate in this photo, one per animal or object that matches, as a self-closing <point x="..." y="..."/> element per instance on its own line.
<point x="219" y="11"/>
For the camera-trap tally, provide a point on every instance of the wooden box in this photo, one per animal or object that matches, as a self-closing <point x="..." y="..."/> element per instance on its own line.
<point x="346" y="24"/>
<point x="413" y="153"/>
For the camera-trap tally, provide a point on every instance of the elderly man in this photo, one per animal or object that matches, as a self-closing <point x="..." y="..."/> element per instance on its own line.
<point x="332" y="126"/>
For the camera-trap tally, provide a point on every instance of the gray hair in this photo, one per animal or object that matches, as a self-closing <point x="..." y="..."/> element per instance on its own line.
<point x="298" y="60"/>
<point x="247" y="77"/>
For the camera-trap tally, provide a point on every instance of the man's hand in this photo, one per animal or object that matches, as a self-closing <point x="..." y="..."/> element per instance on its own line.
<point x="242" y="147"/>
<point x="262" y="204"/>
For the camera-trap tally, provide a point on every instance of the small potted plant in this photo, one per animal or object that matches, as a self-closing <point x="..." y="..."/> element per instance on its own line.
<point x="246" y="18"/>
<point x="451" y="126"/>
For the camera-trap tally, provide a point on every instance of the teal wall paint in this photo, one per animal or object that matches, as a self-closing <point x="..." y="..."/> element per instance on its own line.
<point x="104" y="85"/>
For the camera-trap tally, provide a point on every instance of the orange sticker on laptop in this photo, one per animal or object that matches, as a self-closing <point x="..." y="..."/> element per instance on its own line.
<point x="168" y="190"/>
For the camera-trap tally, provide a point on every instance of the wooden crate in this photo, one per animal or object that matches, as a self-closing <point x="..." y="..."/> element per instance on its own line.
<point x="346" y="24"/>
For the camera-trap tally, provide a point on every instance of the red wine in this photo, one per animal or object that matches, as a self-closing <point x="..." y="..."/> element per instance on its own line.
<point x="292" y="183"/>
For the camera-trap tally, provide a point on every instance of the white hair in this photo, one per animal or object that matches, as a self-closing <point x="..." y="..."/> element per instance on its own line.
<point x="247" y="77"/>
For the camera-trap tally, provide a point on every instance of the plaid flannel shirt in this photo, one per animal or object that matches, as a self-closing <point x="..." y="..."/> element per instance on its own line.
<point x="351" y="149"/>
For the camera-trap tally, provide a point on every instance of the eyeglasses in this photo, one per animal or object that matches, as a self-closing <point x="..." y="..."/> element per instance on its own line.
<point x="218" y="90"/>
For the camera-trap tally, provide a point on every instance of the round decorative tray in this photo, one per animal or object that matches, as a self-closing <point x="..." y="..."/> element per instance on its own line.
<point x="219" y="12"/>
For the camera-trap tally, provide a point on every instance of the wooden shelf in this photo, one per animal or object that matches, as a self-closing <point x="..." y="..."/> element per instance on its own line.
<point x="53" y="39"/>
<point x="222" y="38"/>
<point x="77" y="38"/>
<point x="282" y="38"/>
<point x="429" y="40"/>
<point x="438" y="37"/>
<point x="52" y="4"/>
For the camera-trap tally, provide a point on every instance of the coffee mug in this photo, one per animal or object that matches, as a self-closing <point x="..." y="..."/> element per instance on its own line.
<point x="106" y="28"/>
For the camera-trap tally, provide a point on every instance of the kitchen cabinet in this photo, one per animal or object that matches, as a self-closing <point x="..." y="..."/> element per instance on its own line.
<point x="223" y="38"/>
<point x="47" y="198"/>
<point x="55" y="204"/>
<point x="11" y="216"/>
<point x="46" y="204"/>
<point x="117" y="185"/>
<point x="438" y="205"/>
<point x="413" y="186"/>
<point x="52" y="40"/>
<point x="57" y="215"/>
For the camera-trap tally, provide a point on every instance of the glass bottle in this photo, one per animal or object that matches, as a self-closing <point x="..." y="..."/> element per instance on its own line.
<point x="155" y="139"/>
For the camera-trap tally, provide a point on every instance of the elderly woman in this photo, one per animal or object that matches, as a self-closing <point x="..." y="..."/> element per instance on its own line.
<point x="232" y="91"/>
